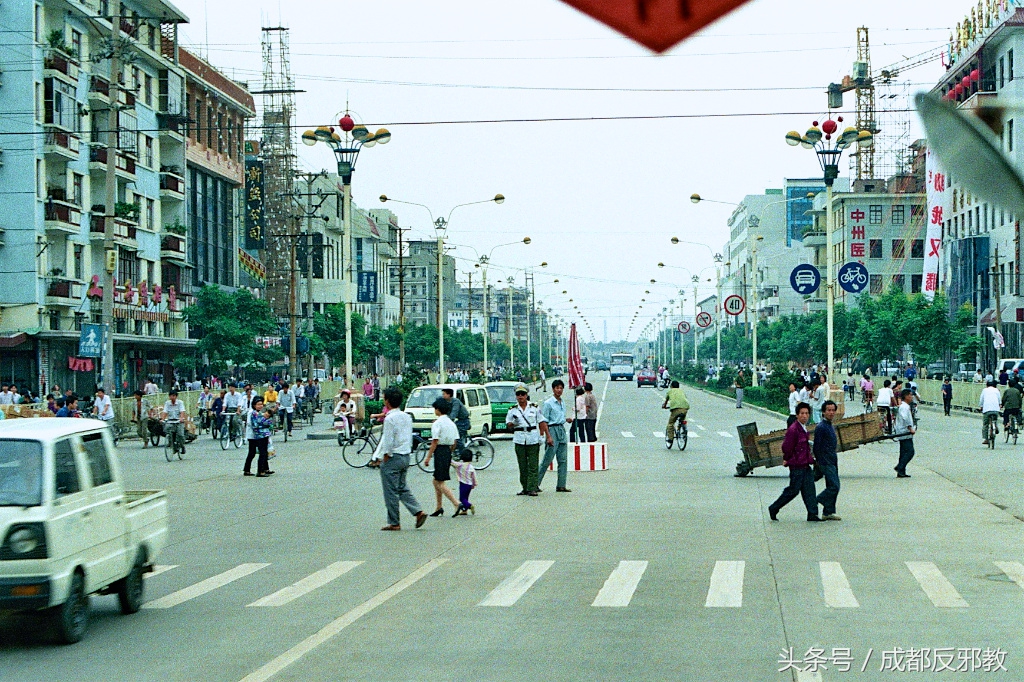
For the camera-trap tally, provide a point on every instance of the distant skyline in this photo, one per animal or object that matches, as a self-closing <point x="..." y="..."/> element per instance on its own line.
<point x="599" y="199"/>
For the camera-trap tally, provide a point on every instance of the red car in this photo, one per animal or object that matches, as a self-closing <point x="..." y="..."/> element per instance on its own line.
<point x="646" y="377"/>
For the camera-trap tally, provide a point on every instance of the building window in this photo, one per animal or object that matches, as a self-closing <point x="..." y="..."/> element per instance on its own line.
<point x="136" y="79"/>
<point x="899" y="249"/>
<point x="77" y="262"/>
<point x="76" y="44"/>
<point x="917" y="248"/>
<point x="147" y="90"/>
<point x="915" y="284"/>
<point x="220" y="133"/>
<point x="211" y="229"/>
<point x="1002" y="72"/>
<point x="60" y="106"/>
<point x="916" y="212"/>
<point x="899" y="214"/>
<point x="76" y="188"/>
<point x="875" y="248"/>
<point x="147" y="151"/>
<point x="1009" y="135"/>
<point x="1009" y="66"/>
<point x="875" y="214"/>
<point x="151" y="214"/>
<point x="899" y="282"/>
<point x="209" y="127"/>
<point x="127" y="267"/>
<point x="188" y="117"/>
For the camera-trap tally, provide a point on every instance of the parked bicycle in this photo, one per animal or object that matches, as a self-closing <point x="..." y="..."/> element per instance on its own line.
<point x="357" y="450"/>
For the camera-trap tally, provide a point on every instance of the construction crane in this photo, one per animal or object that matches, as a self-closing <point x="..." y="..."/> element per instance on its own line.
<point x="864" y="82"/>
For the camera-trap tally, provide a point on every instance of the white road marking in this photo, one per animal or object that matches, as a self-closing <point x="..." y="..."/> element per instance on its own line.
<point x="725" y="434"/>
<point x="726" y="590"/>
<point x="338" y="624"/>
<point x="701" y="427"/>
<point x="692" y="434"/>
<point x="307" y="584"/>
<point x="204" y="586"/>
<point x="939" y="590"/>
<point x="600" y="408"/>
<point x="627" y="434"/>
<point x="659" y="434"/>
<point x="1013" y="570"/>
<point x="621" y="584"/>
<point x="516" y="585"/>
<point x="838" y="594"/>
<point x="158" y="569"/>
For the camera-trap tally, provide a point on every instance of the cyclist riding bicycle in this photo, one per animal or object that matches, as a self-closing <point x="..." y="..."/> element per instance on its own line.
<point x="345" y="412"/>
<point x="675" y="400"/>
<point x="459" y="415"/>
<point x="234" y="403"/>
<point x="1011" y="403"/>
<point x="172" y="416"/>
<point x="989" y="403"/>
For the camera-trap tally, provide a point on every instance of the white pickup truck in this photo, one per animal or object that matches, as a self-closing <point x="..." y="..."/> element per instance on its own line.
<point x="68" y="528"/>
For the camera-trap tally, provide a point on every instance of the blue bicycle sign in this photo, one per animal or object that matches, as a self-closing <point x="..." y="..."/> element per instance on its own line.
<point x="805" y="279"/>
<point x="853" y="277"/>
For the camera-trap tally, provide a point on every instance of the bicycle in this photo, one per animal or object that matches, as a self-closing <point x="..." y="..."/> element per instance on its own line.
<point x="682" y="436"/>
<point x="175" y="443"/>
<point x="231" y="431"/>
<point x="480" y="447"/>
<point x="991" y="428"/>
<point x="307" y="412"/>
<point x="1012" y="428"/>
<point x="358" y="450"/>
<point x="205" y="421"/>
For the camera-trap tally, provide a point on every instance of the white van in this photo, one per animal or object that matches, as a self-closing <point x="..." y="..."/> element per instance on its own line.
<point x="1010" y="364"/>
<point x="473" y="396"/>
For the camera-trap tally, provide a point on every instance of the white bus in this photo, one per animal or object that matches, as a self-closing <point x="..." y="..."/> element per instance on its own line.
<point x="621" y="366"/>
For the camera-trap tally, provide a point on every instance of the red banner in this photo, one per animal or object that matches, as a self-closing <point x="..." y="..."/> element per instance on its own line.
<point x="80" y="364"/>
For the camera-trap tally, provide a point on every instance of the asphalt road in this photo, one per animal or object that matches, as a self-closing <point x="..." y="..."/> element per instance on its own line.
<point x="664" y="567"/>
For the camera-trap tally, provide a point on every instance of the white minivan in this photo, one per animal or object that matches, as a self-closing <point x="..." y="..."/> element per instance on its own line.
<point x="473" y="396"/>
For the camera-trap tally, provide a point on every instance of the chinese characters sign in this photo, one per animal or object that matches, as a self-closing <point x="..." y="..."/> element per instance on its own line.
<point x="255" y="219"/>
<point x="857" y="234"/>
<point x="367" y="291"/>
<point x="938" y="202"/>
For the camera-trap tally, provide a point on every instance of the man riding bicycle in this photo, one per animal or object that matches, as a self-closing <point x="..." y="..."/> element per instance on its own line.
<point x="1011" y="403"/>
<point x="233" y="403"/>
<point x="675" y="400"/>
<point x="174" y="429"/>
<point x="989" y="403"/>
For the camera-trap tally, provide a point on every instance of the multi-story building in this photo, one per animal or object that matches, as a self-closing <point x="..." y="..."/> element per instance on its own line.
<point x="54" y="111"/>
<point x="420" y="279"/>
<point x="981" y="242"/>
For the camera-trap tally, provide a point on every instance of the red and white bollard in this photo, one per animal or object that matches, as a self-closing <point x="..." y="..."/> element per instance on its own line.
<point x="586" y="457"/>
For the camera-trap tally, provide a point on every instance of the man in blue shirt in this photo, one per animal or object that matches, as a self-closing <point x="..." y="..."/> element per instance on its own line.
<point x="552" y="426"/>
<point x="827" y="459"/>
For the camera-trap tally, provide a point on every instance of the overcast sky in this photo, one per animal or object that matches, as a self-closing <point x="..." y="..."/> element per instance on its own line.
<point x="600" y="199"/>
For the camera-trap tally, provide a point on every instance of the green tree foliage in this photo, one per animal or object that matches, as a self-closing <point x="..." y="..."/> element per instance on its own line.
<point x="228" y="324"/>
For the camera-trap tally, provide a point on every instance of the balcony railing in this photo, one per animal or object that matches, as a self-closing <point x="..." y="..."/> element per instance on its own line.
<point x="100" y="86"/>
<point x="123" y="229"/>
<point x="172" y="182"/>
<point x="56" y="60"/>
<point x="172" y="246"/>
<point x="65" y="289"/>
<point x="68" y="214"/>
<point x="125" y="163"/>
<point x="61" y="142"/>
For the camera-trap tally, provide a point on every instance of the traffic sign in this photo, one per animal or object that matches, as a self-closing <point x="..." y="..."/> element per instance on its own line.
<point x="805" y="279"/>
<point x="704" y="320"/>
<point x="853" y="277"/>
<point x="656" y="24"/>
<point x="734" y="305"/>
<point x="683" y="327"/>
<point x="90" y="343"/>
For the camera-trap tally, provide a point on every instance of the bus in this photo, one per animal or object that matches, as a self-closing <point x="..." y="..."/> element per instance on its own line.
<point x="621" y="366"/>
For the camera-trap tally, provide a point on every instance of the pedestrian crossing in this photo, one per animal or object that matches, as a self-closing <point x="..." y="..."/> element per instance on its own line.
<point x="723" y="588"/>
<point x="692" y="433"/>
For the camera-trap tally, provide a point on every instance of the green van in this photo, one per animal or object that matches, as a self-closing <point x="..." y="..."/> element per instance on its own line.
<point x="502" y="395"/>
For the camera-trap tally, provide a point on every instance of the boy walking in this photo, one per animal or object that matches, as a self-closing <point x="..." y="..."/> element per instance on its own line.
<point x="466" y="474"/>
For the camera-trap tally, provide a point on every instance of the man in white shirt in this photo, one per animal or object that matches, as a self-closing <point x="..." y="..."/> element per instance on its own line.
<point x="794" y="400"/>
<point x="150" y="388"/>
<point x="989" y="403"/>
<point x="820" y="395"/>
<point x="393" y="451"/>
<point x="5" y="396"/>
<point x="233" y="412"/>
<point x="102" y="406"/>
<point x="286" y="401"/>
<point x="905" y="430"/>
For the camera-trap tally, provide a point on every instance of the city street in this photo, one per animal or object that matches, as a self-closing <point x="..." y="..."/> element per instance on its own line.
<point x="663" y="567"/>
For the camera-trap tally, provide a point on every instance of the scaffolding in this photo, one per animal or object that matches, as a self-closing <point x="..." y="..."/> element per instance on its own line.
<point x="278" y="151"/>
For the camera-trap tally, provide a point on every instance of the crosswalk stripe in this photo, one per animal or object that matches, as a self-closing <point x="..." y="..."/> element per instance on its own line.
<point x="692" y="434"/>
<point x="659" y="434"/>
<point x="627" y="434"/>
<point x="726" y="589"/>
<point x="1013" y="570"/>
<point x="838" y="594"/>
<point x="621" y="584"/>
<point x="701" y="427"/>
<point x="725" y="434"/>
<point x="939" y="590"/>
<point x="158" y="569"/>
<point x="307" y="584"/>
<point x="338" y="624"/>
<point x="516" y="585"/>
<point x="204" y="586"/>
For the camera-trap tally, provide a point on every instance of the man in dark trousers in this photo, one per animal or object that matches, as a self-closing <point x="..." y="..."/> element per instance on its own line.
<point x="827" y="457"/>
<point x="796" y="454"/>
<point x="947" y="395"/>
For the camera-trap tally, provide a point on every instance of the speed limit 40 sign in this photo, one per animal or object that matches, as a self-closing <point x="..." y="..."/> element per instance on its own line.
<point x="734" y="305"/>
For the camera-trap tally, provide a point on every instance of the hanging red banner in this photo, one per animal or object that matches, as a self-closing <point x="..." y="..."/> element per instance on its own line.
<point x="80" y="364"/>
<point x="656" y="24"/>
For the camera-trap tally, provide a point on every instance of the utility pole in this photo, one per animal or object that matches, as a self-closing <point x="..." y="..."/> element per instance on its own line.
<point x="109" y="226"/>
<point x="308" y="213"/>
<point x="293" y="294"/>
<point x="997" y="282"/>
<point x="401" y="301"/>
<point x="469" y="306"/>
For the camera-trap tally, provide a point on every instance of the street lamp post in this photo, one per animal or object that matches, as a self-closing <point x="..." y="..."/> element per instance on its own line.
<point x="753" y="253"/>
<point x="829" y="147"/>
<point x="441" y="225"/>
<point x="483" y="261"/>
<point x="346" y="150"/>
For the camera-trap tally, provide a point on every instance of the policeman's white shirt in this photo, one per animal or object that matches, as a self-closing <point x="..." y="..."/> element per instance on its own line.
<point x="523" y="418"/>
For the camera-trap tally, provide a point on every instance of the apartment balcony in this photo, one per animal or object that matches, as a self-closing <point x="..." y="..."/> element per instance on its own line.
<point x="172" y="186"/>
<point x="99" y="94"/>
<point x="814" y="238"/>
<point x="125" y="230"/>
<point x="64" y="292"/>
<point x="61" y="143"/>
<point x="62" y="217"/>
<point x="814" y="305"/>
<point x="171" y="127"/>
<point x="172" y="248"/>
<point x="98" y="163"/>
<point x="60" y="65"/>
<point x="178" y="305"/>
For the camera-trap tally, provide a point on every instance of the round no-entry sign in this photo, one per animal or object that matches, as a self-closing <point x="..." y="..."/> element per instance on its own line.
<point x="683" y="327"/>
<point x="734" y="305"/>
<point x="704" y="320"/>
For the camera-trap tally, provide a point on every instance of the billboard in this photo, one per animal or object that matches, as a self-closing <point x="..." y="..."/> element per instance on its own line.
<point x="255" y="218"/>
<point x="367" y="288"/>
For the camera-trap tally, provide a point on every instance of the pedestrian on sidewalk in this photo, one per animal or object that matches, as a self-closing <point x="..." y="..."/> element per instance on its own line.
<point x="989" y="402"/>
<point x="553" y="419"/>
<point x="947" y="395"/>
<point x="443" y="436"/>
<point x="826" y="456"/>
<point x="524" y="418"/>
<point x="738" y="385"/>
<point x="905" y="430"/>
<point x="819" y="396"/>
<point x="577" y="431"/>
<point x="393" y="453"/>
<point x="466" y="473"/>
<point x="796" y="454"/>
<point x="794" y="400"/>
<point x="591" y="420"/>
<point x="543" y="380"/>
<point x="258" y="425"/>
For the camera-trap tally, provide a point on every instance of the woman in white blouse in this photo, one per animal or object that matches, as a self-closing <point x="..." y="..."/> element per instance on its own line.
<point x="443" y="434"/>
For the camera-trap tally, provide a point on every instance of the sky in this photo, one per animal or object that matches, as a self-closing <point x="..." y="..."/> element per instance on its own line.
<point x="600" y="199"/>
